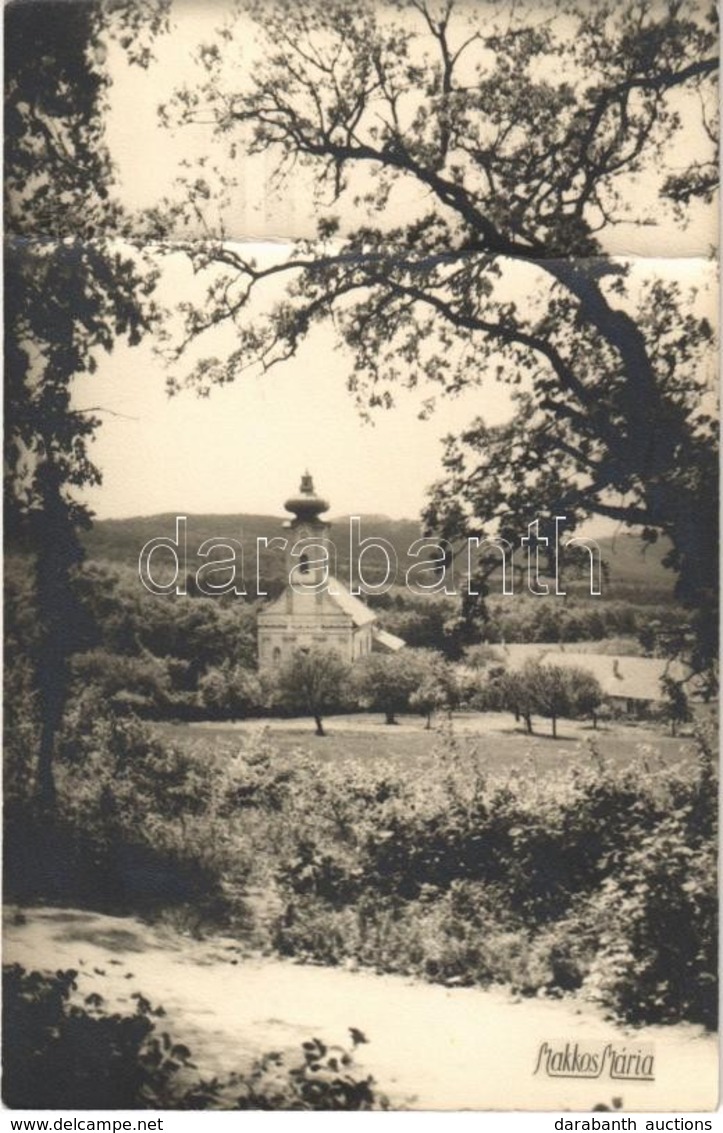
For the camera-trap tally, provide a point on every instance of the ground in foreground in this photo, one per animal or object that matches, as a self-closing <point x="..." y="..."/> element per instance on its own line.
<point x="430" y="1047"/>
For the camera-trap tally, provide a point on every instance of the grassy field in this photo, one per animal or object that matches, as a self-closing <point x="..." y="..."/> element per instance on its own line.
<point x="493" y="738"/>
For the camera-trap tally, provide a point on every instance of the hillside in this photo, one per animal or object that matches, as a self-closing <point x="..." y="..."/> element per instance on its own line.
<point x="635" y="569"/>
<point x="121" y="540"/>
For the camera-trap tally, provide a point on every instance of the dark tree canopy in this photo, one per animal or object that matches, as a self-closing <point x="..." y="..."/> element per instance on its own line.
<point x="469" y="162"/>
<point x="71" y="291"/>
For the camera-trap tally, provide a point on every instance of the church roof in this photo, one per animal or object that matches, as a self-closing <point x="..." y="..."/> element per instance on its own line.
<point x="387" y="642"/>
<point x="360" y="614"/>
<point x="334" y="594"/>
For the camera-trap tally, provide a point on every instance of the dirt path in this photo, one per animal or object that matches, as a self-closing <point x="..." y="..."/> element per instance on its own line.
<point x="430" y="1047"/>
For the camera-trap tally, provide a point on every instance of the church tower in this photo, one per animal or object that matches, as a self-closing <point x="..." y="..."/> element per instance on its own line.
<point x="325" y="615"/>
<point x="307" y="525"/>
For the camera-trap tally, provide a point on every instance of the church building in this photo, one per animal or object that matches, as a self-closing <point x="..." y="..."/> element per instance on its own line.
<point x="325" y="615"/>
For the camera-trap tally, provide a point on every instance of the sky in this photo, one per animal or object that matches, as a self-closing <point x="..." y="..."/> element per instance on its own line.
<point x="244" y="448"/>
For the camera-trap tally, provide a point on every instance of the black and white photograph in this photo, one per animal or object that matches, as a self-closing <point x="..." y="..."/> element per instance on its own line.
<point x="361" y="558"/>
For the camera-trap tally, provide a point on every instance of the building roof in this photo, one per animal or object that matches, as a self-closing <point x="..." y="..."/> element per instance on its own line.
<point x="634" y="678"/>
<point x="360" y="613"/>
<point x="388" y="642"/>
<point x="335" y="599"/>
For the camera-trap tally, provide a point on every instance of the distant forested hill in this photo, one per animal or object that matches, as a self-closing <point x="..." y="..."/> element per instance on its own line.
<point x="635" y="569"/>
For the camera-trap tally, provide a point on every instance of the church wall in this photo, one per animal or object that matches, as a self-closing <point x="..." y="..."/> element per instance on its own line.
<point x="299" y="631"/>
<point x="362" y="643"/>
<point x="280" y="636"/>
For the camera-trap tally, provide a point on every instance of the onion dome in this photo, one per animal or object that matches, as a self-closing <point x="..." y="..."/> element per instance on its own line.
<point x="307" y="506"/>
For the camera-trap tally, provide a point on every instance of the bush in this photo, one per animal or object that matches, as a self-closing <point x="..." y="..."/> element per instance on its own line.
<point x="321" y="1078"/>
<point x="313" y="682"/>
<point x="388" y="682"/>
<point x="139" y="823"/>
<point x="230" y="692"/>
<point x="58" y="1054"/>
<point x="597" y="877"/>
<point x="656" y="914"/>
<point x="455" y="876"/>
<point x="140" y="684"/>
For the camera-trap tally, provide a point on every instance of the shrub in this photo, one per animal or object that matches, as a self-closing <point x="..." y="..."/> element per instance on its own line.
<point x="657" y="924"/>
<point x="58" y="1054"/>
<point x="321" y="1078"/>
<point x="230" y="692"/>
<point x="385" y="682"/>
<point x="139" y="684"/>
<point x="140" y="824"/>
<point x="455" y="876"/>
<point x="596" y="877"/>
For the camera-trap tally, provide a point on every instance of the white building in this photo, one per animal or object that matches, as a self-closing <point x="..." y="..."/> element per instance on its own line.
<point x="315" y="609"/>
<point x="632" y="684"/>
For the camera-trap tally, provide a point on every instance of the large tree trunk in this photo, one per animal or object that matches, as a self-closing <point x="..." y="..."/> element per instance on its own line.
<point x="390" y="718"/>
<point x="45" y="781"/>
<point x="319" y="726"/>
<point x="52" y="682"/>
<point x="554" y="726"/>
<point x="62" y="622"/>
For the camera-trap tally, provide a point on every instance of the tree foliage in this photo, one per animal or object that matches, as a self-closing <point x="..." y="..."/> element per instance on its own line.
<point x="64" y="1054"/>
<point x="313" y="682"/>
<point x="71" y="291"/>
<point x="386" y="682"/>
<point x="549" y="690"/>
<point x="468" y="165"/>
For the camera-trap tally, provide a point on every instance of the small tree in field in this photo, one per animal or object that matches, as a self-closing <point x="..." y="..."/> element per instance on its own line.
<point x="230" y="691"/>
<point x="438" y="690"/>
<point x="586" y="694"/>
<point x="557" y="691"/>
<point x="515" y="694"/>
<point x="469" y="166"/>
<point x="677" y="707"/>
<point x="313" y="682"/>
<point x="386" y="682"/>
<point x="550" y="691"/>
